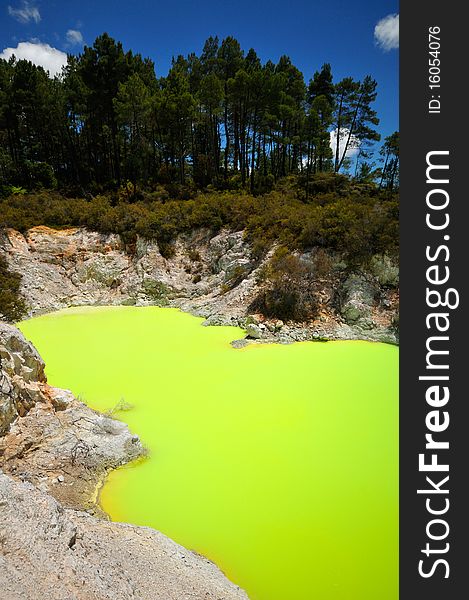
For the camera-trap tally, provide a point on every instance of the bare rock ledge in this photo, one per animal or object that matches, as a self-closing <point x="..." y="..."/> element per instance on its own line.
<point x="48" y="552"/>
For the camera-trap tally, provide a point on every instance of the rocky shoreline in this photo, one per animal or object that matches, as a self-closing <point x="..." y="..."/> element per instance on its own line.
<point x="51" y="439"/>
<point x="55" y="452"/>
<point x="50" y="552"/>
<point x="211" y="276"/>
<point x="55" y="541"/>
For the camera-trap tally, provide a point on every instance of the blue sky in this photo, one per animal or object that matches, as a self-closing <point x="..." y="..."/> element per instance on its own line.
<point x="311" y="32"/>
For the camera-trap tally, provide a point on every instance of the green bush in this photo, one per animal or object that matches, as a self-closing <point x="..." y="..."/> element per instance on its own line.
<point x="12" y="190"/>
<point x="156" y="291"/>
<point x="194" y="255"/>
<point x="322" y="183"/>
<point x="354" y="223"/>
<point x="12" y="306"/>
<point x="287" y="292"/>
<point x="237" y="276"/>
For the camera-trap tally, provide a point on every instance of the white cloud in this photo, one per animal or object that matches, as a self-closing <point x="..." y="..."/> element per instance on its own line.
<point x="387" y="33"/>
<point x="43" y="55"/>
<point x="353" y="147"/>
<point x="25" y="13"/>
<point x="74" y="37"/>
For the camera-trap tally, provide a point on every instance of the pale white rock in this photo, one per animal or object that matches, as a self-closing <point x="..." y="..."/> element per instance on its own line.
<point x="52" y="553"/>
<point x="214" y="276"/>
<point x="56" y="452"/>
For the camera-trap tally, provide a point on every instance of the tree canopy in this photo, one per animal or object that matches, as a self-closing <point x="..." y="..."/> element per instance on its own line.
<point x="221" y="119"/>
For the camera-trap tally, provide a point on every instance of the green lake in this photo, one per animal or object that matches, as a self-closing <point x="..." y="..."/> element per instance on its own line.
<point x="277" y="462"/>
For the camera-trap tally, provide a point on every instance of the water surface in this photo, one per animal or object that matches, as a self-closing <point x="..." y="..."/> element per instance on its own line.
<point x="279" y="463"/>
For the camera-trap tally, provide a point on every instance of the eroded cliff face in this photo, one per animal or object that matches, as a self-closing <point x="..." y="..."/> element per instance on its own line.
<point x="212" y="276"/>
<point x="76" y="267"/>
<point x="54" y="453"/>
<point x="21" y="376"/>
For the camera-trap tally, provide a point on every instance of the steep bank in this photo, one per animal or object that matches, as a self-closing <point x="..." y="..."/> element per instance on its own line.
<point x="54" y="452"/>
<point x="213" y="276"/>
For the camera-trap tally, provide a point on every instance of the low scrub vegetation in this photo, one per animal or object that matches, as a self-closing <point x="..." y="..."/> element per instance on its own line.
<point x="12" y="306"/>
<point x="287" y="288"/>
<point x="357" y="221"/>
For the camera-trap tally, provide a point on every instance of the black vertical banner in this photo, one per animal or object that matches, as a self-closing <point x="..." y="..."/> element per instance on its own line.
<point x="434" y="430"/>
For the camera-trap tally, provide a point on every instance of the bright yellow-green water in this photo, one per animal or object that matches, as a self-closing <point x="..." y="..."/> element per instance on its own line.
<point x="279" y="463"/>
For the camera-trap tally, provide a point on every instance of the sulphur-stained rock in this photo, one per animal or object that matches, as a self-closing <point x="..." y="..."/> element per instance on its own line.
<point x="385" y="270"/>
<point x="51" y="553"/>
<point x="68" y="267"/>
<point x="225" y="249"/>
<point x="79" y="267"/>
<point x="63" y="437"/>
<point x="20" y="357"/>
<point x="254" y="331"/>
<point x="8" y="411"/>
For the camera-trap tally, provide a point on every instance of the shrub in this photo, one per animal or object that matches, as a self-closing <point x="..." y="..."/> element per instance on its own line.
<point x="288" y="292"/>
<point x="130" y="301"/>
<point x="12" y="190"/>
<point x="236" y="277"/>
<point x="194" y="255"/>
<point x="321" y="183"/>
<point x="156" y="291"/>
<point x="350" y="222"/>
<point x="166" y="248"/>
<point x="322" y="264"/>
<point x="12" y="306"/>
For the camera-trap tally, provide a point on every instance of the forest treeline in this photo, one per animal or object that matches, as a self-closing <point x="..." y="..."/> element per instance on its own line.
<point x="221" y="120"/>
<point x="222" y="141"/>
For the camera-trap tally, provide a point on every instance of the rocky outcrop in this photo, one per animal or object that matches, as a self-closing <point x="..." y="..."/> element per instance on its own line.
<point x="50" y="438"/>
<point x="65" y="448"/>
<point x="359" y="293"/>
<point x="54" y="454"/>
<point x="51" y="553"/>
<point x="21" y="376"/>
<point x="72" y="267"/>
<point x="212" y="276"/>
